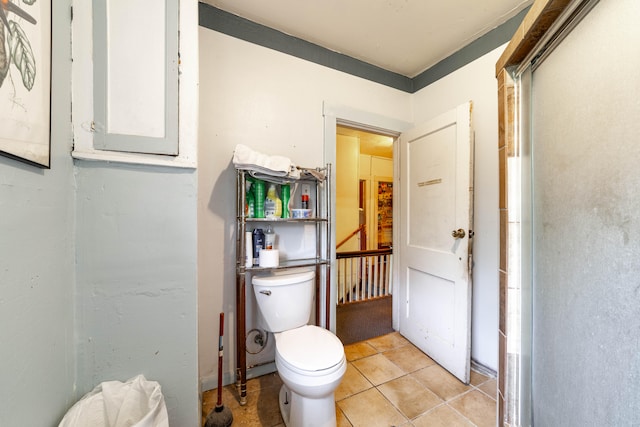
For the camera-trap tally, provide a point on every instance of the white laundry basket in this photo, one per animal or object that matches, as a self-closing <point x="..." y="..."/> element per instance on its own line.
<point x="134" y="403"/>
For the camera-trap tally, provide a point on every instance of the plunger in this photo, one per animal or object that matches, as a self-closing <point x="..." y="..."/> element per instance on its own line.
<point x="219" y="416"/>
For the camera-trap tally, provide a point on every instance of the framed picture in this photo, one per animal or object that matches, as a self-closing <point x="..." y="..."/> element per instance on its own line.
<point x="25" y="80"/>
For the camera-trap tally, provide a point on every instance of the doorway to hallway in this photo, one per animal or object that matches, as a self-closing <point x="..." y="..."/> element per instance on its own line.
<point x="364" y="233"/>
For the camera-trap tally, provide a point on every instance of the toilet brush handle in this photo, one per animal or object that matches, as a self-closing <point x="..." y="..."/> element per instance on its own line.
<point x="221" y="332"/>
<point x="219" y="402"/>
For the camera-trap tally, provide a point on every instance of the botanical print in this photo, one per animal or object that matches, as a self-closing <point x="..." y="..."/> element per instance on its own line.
<point x="19" y="49"/>
<point x="25" y="79"/>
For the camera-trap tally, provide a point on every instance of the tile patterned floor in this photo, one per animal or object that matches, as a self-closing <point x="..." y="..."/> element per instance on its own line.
<point x="389" y="382"/>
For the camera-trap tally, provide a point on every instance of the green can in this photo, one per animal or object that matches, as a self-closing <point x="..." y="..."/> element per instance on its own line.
<point x="285" y="190"/>
<point x="258" y="196"/>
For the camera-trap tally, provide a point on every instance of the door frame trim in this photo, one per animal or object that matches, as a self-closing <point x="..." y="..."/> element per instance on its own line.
<point x="333" y="115"/>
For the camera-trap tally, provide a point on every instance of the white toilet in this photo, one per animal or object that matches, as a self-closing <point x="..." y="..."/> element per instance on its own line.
<point x="310" y="360"/>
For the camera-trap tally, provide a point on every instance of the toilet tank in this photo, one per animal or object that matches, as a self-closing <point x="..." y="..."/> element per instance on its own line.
<point x="284" y="300"/>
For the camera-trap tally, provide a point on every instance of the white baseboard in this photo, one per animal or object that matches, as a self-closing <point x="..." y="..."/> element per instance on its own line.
<point x="484" y="370"/>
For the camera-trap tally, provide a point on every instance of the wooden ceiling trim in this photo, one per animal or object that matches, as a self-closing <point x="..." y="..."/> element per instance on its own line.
<point x="541" y="16"/>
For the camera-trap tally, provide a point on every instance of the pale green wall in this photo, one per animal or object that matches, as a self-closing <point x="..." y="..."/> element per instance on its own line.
<point x="97" y="273"/>
<point x="37" y="219"/>
<point x="136" y="280"/>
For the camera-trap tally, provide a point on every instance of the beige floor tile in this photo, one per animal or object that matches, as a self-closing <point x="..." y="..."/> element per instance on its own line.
<point x="378" y="369"/>
<point x="371" y="409"/>
<point x="262" y="409"/>
<point x="388" y="342"/>
<point x="477" y="378"/>
<point x="352" y="383"/>
<point x="341" y="418"/>
<point x="358" y="351"/>
<point x="230" y="398"/>
<point x="265" y="381"/>
<point x="409" y="358"/>
<point x="270" y="383"/>
<point x="491" y="388"/>
<point x="399" y="397"/>
<point x="442" y="416"/>
<point x="409" y="396"/>
<point x="441" y="382"/>
<point x="478" y="407"/>
<point x="208" y="401"/>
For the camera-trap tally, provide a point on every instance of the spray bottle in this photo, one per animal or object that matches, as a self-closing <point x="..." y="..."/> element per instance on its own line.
<point x="272" y="203"/>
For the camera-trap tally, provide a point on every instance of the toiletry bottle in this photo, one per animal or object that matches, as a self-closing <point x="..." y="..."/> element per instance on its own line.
<point x="286" y="194"/>
<point x="305" y="201"/>
<point x="269" y="238"/>
<point x="272" y="203"/>
<point x="258" y="245"/>
<point x="251" y="203"/>
<point x="258" y="197"/>
<point x="248" y="250"/>
<point x="249" y="199"/>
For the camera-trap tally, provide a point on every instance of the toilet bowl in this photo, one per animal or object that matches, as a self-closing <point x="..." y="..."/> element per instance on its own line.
<point x="309" y="359"/>
<point x="311" y="363"/>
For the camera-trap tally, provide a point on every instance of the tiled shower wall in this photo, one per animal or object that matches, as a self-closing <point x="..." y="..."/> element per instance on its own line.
<point x="507" y="361"/>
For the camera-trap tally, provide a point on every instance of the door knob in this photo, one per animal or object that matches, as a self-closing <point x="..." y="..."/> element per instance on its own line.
<point x="458" y="234"/>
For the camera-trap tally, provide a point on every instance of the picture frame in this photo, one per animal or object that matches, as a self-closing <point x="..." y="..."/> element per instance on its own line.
<point x="25" y="81"/>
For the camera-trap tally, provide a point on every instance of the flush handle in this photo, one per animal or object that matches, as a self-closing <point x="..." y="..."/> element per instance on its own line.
<point x="458" y="234"/>
<point x="267" y="292"/>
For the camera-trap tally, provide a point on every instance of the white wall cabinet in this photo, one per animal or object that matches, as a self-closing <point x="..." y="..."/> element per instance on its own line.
<point x="135" y="74"/>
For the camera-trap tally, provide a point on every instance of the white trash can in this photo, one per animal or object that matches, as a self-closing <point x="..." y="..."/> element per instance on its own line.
<point x="134" y="403"/>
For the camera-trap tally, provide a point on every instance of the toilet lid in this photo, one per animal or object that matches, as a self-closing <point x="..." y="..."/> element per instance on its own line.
<point x="310" y="348"/>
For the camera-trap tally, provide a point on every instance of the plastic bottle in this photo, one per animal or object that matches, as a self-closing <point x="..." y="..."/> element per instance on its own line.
<point x="286" y="194"/>
<point x="258" y="197"/>
<point x="272" y="203"/>
<point x="269" y="238"/>
<point x="248" y="250"/>
<point x="251" y="203"/>
<point x="258" y="244"/>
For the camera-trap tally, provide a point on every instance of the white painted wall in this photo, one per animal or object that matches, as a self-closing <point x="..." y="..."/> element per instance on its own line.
<point x="273" y="103"/>
<point x="37" y="217"/>
<point x="346" y="172"/>
<point x="476" y="82"/>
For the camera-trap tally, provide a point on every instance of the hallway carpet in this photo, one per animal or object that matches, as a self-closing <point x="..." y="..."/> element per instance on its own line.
<point x="360" y="321"/>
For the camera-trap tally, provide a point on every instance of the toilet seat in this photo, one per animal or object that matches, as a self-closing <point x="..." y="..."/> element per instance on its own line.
<point x="310" y="349"/>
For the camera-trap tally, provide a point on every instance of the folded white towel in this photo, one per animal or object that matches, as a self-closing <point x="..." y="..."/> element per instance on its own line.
<point x="246" y="158"/>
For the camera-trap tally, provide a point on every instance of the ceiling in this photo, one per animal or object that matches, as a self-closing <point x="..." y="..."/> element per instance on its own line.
<point x="370" y="143"/>
<point x="402" y="36"/>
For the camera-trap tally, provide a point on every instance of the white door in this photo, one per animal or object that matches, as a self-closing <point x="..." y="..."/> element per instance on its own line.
<point x="436" y="195"/>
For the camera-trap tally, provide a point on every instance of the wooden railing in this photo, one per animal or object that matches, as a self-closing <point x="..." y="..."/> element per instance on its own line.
<point x="364" y="275"/>
<point x="361" y="231"/>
